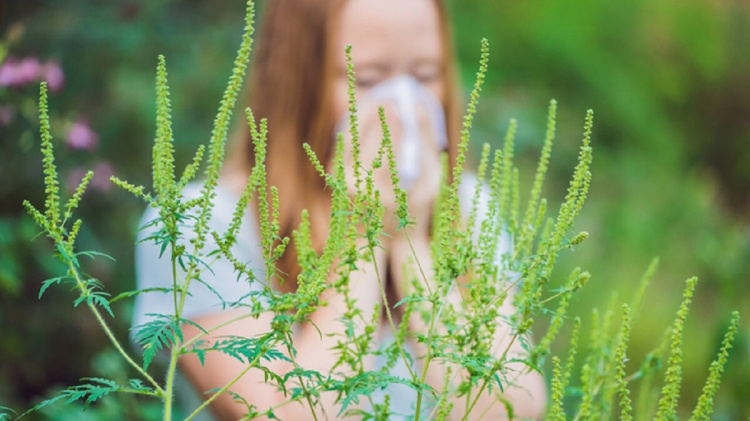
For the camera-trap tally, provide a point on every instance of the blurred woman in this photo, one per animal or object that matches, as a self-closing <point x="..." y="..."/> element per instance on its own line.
<point x="402" y="54"/>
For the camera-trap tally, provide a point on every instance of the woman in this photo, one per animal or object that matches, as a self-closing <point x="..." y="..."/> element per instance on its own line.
<point x="298" y="82"/>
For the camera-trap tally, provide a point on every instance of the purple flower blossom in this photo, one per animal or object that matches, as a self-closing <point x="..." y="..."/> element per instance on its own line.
<point x="16" y="73"/>
<point x="28" y="70"/>
<point x="102" y="173"/>
<point x="74" y="178"/>
<point x="80" y="136"/>
<point x="100" y="182"/>
<point x="52" y="73"/>
<point x="8" y="72"/>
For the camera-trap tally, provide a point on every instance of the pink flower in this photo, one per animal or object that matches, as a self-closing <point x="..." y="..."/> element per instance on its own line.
<point x="52" y="73"/>
<point x="73" y="179"/>
<point x="100" y="182"/>
<point x="8" y="72"/>
<point x="28" y="71"/>
<point x="102" y="173"/>
<point x="81" y="136"/>
<point x="15" y="73"/>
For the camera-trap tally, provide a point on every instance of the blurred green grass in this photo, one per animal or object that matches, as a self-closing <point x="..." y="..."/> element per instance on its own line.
<point x="668" y="81"/>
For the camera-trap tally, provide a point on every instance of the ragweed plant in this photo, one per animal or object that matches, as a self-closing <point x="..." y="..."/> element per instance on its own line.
<point x="471" y="308"/>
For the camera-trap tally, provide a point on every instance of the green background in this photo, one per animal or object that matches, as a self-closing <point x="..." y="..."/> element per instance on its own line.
<point x="669" y="82"/>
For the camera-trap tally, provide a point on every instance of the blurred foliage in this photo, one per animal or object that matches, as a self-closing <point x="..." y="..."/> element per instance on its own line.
<point x="668" y="81"/>
<point x="669" y="84"/>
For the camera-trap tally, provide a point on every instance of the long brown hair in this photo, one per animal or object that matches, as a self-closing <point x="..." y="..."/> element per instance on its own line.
<point x="291" y="84"/>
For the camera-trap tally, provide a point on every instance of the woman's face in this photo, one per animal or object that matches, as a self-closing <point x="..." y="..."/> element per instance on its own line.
<point x="389" y="38"/>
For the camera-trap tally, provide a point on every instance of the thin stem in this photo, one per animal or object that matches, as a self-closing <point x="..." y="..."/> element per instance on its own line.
<point x="428" y="359"/>
<point x="484" y="384"/>
<point x="552" y="297"/>
<point x="275" y="407"/>
<point x="226" y="387"/>
<point x="174" y="279"/>
<point x="214" y="328"/>
<point x="419" y="264"/>
<point x="301" y="381"/>
<point x="139" y="392"/>
<point x="388" y="313"/>
<point x="486" y="410"/>
<point x="174" y="351"/>
<point x="468" y="396"/>
<point x="169" y="390"/>
<point x="110" y="335"/>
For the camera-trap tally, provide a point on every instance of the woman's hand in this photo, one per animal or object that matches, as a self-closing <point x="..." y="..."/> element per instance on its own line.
<point x="422" y="191"/>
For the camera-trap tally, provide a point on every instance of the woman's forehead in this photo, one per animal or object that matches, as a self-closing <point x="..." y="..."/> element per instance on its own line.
<point x="389" y="32"/>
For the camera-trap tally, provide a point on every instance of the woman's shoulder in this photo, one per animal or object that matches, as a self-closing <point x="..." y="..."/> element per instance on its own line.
<point x="154" y="269"/>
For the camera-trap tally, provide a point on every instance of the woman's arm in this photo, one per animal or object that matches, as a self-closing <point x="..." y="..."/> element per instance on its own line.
<point x="314" y="352"/>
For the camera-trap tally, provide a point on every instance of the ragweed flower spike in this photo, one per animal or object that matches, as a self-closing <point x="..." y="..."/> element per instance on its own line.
<point x="620" y="359"/>
<point x="643" y="285"/>
<point x="51" y="183"/>
<point x="704" y="409"/>
<point x="670" y="393"/>
<point x="353" y="123"/>
<point x="506" y="183"/>
<point x="481" y="172"/>
<point x="577" y="191"/>
<point x="463" y="144"/>
<point x="572" y="350"/>
<point x="556" y="412"/>
<point x="163" y="151"/>
<point x="76" y="198"/>
<point x="217" y="144"/>
<point x="402" y="210"/>
<point x="529" y="228"/>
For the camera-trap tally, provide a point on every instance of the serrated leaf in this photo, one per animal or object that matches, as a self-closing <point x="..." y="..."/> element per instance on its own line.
<point x="246" y="349"/>
<point x="46" y="284"/>
<point x="65" y="257"/>
<point x="137" y="384"/>
<point x="43" y="404"/>
<point x="155" y="335"/>
<point x="137" y="292"/>
<point x="411" y="299"/>
<point x="100" y="298"/>
<point x="93" y="254"/>
<point x="213" y="290"/>
<point x="96" y="389"/>
<point x="6" y="414"/>
<point x="368" y="382"/>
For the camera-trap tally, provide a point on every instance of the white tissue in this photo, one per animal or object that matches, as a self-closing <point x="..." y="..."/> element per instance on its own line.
<point x="407" y="95"/>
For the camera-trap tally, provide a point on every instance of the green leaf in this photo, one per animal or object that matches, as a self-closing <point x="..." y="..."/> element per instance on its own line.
<point x="246" y="349"/>
<point x="137" y="292"/>
<point x="368" y="382"/>
<point x="46" y="284"/>
<point x="65" y="257"/>
<point x="6" y="414"/>
<point x="137" y="384"/>
<point x="44" y="404"/>
<point x="411" y="299"/>
<point x="100" y="298"/>
<point x="96" y="389"/>
<point x="93" y="254"/>
<point x="156" y="335"/>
